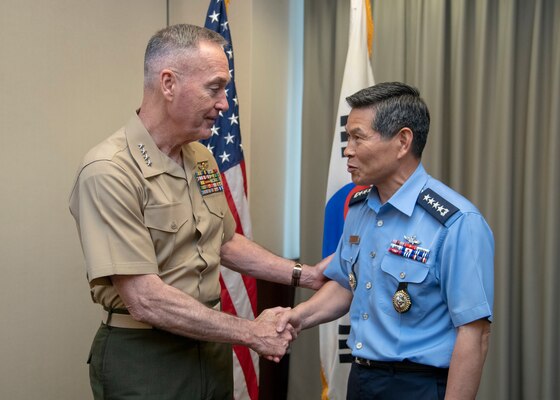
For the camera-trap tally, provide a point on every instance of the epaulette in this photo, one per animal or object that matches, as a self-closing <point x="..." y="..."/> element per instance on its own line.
<point x="359" y="196"/>
<point x="436" y="206"/>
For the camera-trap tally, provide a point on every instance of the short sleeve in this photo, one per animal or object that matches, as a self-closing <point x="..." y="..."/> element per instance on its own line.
<point x="467" y="272"/>
<point x="107" y="206"/>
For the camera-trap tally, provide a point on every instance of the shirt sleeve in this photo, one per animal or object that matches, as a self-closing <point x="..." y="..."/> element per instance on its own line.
<point x="107" y="207"/>
<point x="467" y="272"/>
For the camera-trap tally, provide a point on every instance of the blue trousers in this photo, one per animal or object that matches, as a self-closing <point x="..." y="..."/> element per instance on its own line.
<point x="388" y="383"/>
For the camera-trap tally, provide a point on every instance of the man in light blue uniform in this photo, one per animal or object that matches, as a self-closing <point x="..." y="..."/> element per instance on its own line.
<point x="414" y="264"/>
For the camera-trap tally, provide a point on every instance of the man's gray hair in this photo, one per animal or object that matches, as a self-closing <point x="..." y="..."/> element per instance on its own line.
<point x="168" y="46"/>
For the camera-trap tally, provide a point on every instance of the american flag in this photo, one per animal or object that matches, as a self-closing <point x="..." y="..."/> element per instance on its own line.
<point x="239" y="293"/>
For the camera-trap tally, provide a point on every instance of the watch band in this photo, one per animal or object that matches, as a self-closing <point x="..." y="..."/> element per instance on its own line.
<point x="296" y="274"/>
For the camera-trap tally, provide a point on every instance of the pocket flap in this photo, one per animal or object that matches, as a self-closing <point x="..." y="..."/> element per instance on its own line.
<point x="403" y="269"/>
<point x="350" y="253"/>
<point x="166" y="217"/>
<point x="216" y="204"/>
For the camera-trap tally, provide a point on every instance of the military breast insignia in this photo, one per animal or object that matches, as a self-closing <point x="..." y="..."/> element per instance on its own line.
<point x="409" y="250"/>
<point x="209" y="181"/>
<point x="401" y="299"/>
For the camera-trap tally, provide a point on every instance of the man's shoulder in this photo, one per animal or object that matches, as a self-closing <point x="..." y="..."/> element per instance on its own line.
<point x="443" y="202"/>
<point x="105" y="158"/>
<point x="107" y="149"/>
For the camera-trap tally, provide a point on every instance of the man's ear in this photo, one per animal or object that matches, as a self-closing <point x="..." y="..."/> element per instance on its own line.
<point x="167" y="81"/>
<point x="405" y="138"/>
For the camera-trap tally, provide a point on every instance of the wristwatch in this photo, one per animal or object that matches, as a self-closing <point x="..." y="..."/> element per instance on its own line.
<point x="296" y="274"/>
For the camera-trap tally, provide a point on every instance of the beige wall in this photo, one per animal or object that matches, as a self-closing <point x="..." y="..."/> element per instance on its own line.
<point x="70" y="75"/>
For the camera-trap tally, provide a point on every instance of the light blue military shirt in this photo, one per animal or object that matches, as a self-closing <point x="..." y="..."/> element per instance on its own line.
<point x="451" y="287"/>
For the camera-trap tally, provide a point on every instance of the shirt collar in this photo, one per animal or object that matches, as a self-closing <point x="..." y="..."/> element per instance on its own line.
<point x="145" y="152"/>
<point x="405" y="198"/>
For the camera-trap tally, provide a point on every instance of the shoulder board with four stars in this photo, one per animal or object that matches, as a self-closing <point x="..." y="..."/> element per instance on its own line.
<point x="359" y="196"/>
<point x="436" y="206"/>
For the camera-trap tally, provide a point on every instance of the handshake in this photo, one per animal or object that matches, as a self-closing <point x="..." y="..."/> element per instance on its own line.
<point x="273" y="331"/>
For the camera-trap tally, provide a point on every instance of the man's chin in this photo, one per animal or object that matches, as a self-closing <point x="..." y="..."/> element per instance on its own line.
<point x="356" y="179"/>
<point x="360" y="181"/>
<point x="205" y="133"/>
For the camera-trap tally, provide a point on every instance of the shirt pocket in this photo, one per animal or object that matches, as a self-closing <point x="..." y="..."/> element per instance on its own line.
<point x="216" y="204"/>
<point x="394" y="270"/>
<point x="163" y="222"/>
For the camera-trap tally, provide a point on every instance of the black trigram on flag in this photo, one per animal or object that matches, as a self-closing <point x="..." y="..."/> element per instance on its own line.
<point x="343" y="134"/>
<point x="344" y="352"/>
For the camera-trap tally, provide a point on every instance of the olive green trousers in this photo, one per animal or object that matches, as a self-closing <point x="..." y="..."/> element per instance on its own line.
<point x="157" y="365"/>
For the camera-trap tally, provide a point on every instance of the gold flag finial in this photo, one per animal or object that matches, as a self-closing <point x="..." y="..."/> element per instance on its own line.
<point x="369" y="23"/>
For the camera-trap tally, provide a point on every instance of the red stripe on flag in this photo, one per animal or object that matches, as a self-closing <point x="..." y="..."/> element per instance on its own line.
<point x="248" y="368"/>
<point x="250" y="283"/>
<point x="225" y="298"/>
<point x="231" y="204"/>
<point x="244" y="173"/>
<point x="242" y="353"/>
<point x="251" y="287"/>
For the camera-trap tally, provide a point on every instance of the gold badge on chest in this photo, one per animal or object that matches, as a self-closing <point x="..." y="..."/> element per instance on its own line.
<point x="401" y="299"/>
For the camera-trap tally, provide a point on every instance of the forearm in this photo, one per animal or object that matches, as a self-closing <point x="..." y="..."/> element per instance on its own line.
<point x="467" y="360"/>
<point x="329" y="303"/>
<point x="246" y="257"/>
<point x="151" y="301"/>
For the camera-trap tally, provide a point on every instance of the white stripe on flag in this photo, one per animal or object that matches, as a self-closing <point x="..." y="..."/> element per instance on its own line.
<point x="238" y="293"/>
<point x="357" y="75"/>
<point x="239" y="388"/>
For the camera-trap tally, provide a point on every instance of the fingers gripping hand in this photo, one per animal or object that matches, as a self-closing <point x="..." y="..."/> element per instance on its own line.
<point x="319" y="269"/>
<point x="289" y="321"/>
<point x="268" y="341"/>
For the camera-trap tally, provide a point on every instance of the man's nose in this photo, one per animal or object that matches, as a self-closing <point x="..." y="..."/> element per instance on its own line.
<point x="348" y="151"/>
<point x="223" y="104"/>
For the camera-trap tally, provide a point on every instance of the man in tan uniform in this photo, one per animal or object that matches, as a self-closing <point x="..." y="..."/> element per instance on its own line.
<point x="154" y="226"/>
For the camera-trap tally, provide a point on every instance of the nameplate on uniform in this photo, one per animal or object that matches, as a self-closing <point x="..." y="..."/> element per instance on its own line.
<point x="209" y="181"/>
<point x="436" y="206"/>
<point x="359" y="196"/>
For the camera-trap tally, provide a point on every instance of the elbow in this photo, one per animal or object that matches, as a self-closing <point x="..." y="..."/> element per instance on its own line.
<point x="139" y="309"/>
<point x="485" y="337"/>
<point x="141" y="294"/>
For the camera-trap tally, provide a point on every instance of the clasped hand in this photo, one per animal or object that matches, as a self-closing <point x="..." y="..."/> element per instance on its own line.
<point x="273" y="333"/>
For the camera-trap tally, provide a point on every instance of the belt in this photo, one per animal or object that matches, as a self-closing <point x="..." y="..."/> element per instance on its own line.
<point x="120" y="318"/>
<point x="400" y="366"/>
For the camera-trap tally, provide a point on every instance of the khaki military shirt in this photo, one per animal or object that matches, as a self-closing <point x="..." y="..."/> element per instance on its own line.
<point x="138" y="212"/>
